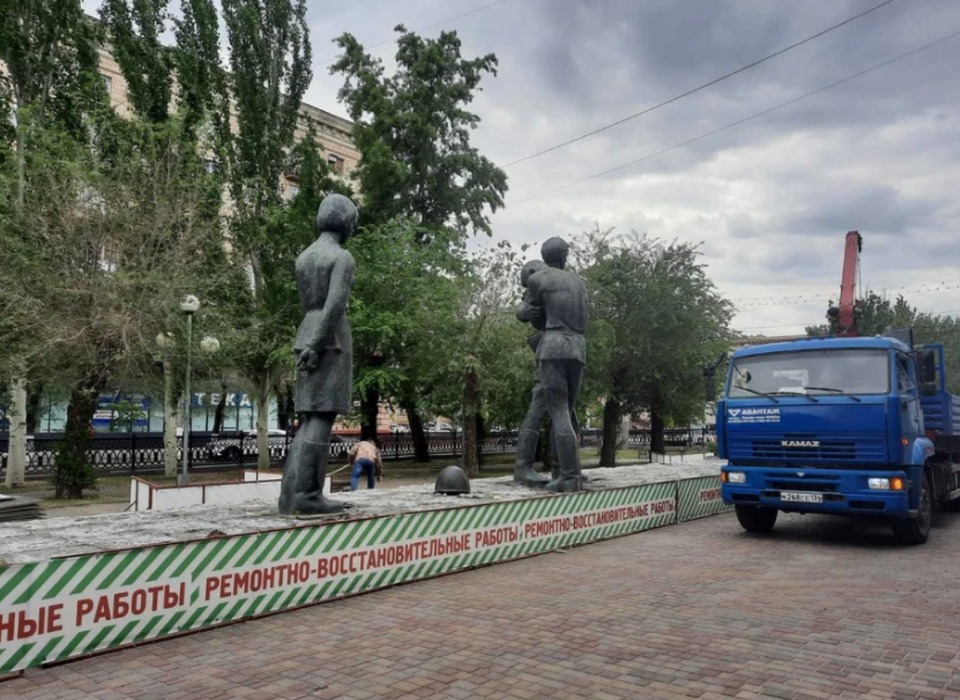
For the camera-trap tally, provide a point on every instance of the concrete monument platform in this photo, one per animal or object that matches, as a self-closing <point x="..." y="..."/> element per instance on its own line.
<point x="75" y="586"/>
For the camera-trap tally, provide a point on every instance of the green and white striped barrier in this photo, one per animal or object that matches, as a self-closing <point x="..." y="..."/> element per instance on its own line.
<point x="69" y="607"/>
<point x="700" y="497"/>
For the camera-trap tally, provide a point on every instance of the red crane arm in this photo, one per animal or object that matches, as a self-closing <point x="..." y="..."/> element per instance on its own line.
<point x="851" y="255"/>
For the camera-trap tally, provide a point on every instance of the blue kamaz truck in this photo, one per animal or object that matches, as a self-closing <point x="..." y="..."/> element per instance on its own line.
<point x="850" y="426"/>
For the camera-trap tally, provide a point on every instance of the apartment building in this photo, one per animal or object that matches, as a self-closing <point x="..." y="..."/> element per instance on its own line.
<point x="335" y="134"/>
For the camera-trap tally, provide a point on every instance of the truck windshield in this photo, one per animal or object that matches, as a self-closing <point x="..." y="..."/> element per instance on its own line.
<point x="848" y="371"/>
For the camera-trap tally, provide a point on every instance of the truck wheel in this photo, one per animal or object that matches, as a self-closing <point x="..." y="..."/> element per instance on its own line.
<point x="756" y="519"/>
<point x="916" y="530"/>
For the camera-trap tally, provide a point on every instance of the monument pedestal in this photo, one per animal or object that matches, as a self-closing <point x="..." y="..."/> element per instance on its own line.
<point x="82" y="585"/>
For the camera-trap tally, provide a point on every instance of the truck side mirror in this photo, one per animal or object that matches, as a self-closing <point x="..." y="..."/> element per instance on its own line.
<point x="927" y="369"/>
<point x="928" y="366"/>
<point x="710" y="384"/>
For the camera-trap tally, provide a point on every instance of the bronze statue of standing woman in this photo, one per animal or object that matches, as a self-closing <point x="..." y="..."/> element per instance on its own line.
<point x="324" y="354"/>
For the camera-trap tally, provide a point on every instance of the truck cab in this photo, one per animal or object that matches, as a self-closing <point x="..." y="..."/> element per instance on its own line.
<point x="838" y="425"/>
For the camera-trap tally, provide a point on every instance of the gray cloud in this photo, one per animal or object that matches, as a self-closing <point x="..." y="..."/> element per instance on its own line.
<point x="874" y="207"/>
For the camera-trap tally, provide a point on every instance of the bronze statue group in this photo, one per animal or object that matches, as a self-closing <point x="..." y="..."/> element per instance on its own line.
<point x="554" y="303"/>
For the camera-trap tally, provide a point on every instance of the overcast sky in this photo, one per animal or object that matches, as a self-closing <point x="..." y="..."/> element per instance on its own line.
<point x="770" y="199"/>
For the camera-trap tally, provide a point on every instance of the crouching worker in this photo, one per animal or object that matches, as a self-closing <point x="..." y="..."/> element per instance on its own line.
<point x="365" y="458"/>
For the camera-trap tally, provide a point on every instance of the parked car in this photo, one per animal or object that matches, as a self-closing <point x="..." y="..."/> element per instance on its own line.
<point x="228" y="447"/>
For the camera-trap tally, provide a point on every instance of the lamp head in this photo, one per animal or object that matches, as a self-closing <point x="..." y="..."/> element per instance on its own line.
<point x="209" y="344"/>
<point x="190" y="304"/>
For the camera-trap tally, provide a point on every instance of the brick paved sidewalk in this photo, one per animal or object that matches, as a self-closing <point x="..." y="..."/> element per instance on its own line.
<point x="824" y="608"/>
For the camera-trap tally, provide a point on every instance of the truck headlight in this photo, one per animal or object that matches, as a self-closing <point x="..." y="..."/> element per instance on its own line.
<point x="893" y="483"/>
<point x="736" y="477"/>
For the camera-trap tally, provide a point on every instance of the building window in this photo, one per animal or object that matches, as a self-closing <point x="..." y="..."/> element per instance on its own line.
<point x="108" y="83"/>
<point x="210" y="165"/>
<point x="336" y="163"/>
<point x="293" y="189"/>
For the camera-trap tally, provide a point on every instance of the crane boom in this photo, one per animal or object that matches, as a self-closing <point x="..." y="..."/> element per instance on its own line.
<point x="843" y="317"/>
<point x="847" y="319"/>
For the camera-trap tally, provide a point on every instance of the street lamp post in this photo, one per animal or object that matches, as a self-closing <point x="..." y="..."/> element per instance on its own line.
<point x="165" y="342"/>
<point x="190" y="305"/>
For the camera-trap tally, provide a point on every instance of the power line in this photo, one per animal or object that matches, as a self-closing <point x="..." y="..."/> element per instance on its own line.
<point x="437" y="24"/>
<point x="450" y="19"/>
<point x="821" y="298"/>
<point x="739" y="121"/>
<point x="699" y="88"/>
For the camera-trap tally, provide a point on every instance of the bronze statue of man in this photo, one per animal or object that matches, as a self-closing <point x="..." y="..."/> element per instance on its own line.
<point x="324" y="351"/>
<point x="529" y="434"/>
<point x="561" y="354"/>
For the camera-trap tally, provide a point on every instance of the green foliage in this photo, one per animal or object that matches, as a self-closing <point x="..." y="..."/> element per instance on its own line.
<point x="404" y="300"/>
<point x="413" y="132"/>
<point x="49" y="49"/>
<point x="423" y="186"/>
<point x="199" y="75"/>
<point x="269" y="58"/>
<point x="105" y="248"/>
<point x="50" y="60"/>
<point x="72" y="472"/>
<point x="490" y="342"/>
<point x="126" y="413"/>
<point x="880" y="315"/>
<point x="104" y="245"/>
<point x="656" y="321"/>
<point x="135" y="29"/>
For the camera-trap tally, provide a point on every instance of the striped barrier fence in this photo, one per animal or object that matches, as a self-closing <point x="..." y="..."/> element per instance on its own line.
<point x="69" y="607"/>
<point x="699" y="497"/>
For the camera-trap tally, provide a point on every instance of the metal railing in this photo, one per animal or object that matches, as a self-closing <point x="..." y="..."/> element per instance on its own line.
<point x="141" y="452"/>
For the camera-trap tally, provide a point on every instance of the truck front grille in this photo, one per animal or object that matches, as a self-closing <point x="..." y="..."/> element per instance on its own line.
<point x="833" y="448"/>
<point x="828" y="450"/>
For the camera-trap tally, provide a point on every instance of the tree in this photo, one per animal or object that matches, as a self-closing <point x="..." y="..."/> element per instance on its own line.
<point x="933" y="328"/>
<point x="489" y="358"/>
<point x="135" y="28"/>
<point x="112" y="246"/>
<point x="404" y="302"/>
<point x="413" y="132"/>
<point x="269" y="59"/>
<point x="656" y="321"/>
<point x="49" y="50"/>
<point x="879" y="315"/>
<point x="148" y="65"/>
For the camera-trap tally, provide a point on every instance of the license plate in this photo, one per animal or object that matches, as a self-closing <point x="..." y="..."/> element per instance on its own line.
<point x="801" y="496"/>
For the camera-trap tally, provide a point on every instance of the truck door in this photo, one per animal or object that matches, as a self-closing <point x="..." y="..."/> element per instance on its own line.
<point x="911" y="418"/>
